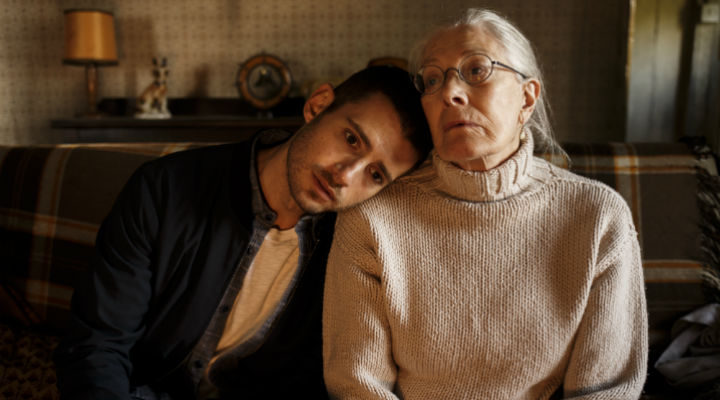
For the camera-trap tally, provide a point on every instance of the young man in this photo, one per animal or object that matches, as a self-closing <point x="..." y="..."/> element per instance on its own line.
<point x="209" y="271"/>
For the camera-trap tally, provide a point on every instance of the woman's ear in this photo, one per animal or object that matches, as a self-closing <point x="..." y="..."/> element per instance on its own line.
<point x="531" y="93"/>
<point x="320" y="98"/>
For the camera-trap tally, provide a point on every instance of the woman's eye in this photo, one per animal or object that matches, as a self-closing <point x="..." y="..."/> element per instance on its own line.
<point x="476" y="70"/>
<point x="350" y="138"/>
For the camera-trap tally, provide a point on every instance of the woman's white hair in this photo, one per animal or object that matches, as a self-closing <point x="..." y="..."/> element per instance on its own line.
<point x="519" y="54"/>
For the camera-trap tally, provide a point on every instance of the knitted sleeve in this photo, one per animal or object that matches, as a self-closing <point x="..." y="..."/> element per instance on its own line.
<point x="609" y="356"/>
<point x="357" y="357"/>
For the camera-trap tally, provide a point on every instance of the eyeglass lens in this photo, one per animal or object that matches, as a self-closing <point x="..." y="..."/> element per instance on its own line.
<point x="473" y="70"/>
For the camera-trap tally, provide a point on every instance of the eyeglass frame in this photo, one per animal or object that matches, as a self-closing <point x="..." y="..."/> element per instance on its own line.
<point x="493" y="63"/>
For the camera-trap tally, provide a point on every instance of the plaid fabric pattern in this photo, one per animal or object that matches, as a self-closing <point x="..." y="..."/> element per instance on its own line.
<point x="52" y="201"/>
<point x="659" y="181"/>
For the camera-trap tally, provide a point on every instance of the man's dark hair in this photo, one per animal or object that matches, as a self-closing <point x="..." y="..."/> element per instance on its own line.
<point x="396" y="85"/>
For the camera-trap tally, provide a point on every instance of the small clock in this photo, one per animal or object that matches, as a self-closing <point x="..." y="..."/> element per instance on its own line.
<point x="264" y="80"/>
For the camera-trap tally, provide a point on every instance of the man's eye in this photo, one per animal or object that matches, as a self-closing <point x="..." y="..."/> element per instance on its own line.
<point x="432" y="82"/>
<point x="377" y="177"/>
<point x="350" y="138"/>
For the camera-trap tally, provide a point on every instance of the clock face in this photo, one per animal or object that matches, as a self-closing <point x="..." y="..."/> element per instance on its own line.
<point x="264" y="80"/>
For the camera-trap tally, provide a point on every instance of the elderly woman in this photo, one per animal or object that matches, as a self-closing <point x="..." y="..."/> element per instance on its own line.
<point x="488" y="273"/>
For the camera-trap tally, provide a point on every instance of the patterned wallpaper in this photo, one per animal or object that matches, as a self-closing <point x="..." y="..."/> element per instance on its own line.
<point x="580" y="43"/>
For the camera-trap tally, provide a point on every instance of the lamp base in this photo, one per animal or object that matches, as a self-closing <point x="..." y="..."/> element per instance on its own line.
<point x="91" y="77"/>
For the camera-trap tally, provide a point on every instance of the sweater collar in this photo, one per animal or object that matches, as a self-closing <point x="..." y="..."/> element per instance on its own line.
<point x="503" y="181"/>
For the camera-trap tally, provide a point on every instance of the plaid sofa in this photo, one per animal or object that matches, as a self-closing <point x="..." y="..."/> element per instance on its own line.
<point x="53" y="198"/>
<point x="52" y="201"/>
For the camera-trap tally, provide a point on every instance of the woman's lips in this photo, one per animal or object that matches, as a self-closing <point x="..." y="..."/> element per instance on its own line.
<point x="457" y="124"/>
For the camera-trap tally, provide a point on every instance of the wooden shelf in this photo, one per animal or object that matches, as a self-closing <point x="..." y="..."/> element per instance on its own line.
<point x="192" y="121"/>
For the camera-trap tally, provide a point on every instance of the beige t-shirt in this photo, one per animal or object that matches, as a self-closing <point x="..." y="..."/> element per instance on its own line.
<point x="265" y="284"/>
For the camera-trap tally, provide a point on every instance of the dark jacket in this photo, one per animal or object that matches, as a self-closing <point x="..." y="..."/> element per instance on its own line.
<point x="164" y="256"/>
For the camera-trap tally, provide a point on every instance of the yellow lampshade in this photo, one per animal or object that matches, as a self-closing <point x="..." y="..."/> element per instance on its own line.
<point x="89" y="37"/>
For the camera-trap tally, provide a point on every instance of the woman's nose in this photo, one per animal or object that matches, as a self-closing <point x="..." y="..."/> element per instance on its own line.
<point x="454" y="90"/>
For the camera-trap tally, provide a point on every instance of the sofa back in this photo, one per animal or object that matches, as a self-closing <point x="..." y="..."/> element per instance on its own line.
<point x="53" y="199"/>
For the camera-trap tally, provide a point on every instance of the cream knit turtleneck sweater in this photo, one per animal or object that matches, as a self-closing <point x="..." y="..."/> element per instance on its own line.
<point x="505" y="284"/>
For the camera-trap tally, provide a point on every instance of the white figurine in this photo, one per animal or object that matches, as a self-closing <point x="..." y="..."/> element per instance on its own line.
<point x="152" y="103"/>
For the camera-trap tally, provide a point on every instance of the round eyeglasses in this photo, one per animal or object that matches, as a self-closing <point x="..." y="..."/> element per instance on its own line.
<point x="473" y="70"/>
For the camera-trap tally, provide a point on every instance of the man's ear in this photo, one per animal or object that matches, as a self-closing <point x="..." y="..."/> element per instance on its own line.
<point x="322" y="97"/>
<point x="531" y="92"/>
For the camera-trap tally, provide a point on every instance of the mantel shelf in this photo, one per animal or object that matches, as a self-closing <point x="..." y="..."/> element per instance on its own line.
<point x="205" y="121"/>
<point x="194" y="119"/>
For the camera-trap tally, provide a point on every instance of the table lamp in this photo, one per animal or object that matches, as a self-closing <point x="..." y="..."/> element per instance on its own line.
<point x="90" y="41"/>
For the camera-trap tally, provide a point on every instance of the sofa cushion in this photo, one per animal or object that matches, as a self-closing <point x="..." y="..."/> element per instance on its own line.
<point x="52" y="201"/>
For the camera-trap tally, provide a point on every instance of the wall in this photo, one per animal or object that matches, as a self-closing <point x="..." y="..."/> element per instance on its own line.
<point x="674" y="72"/>
<point x="582" y="46"/>
<point x="654" y="86"/>
<point x="702" y="112"/>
